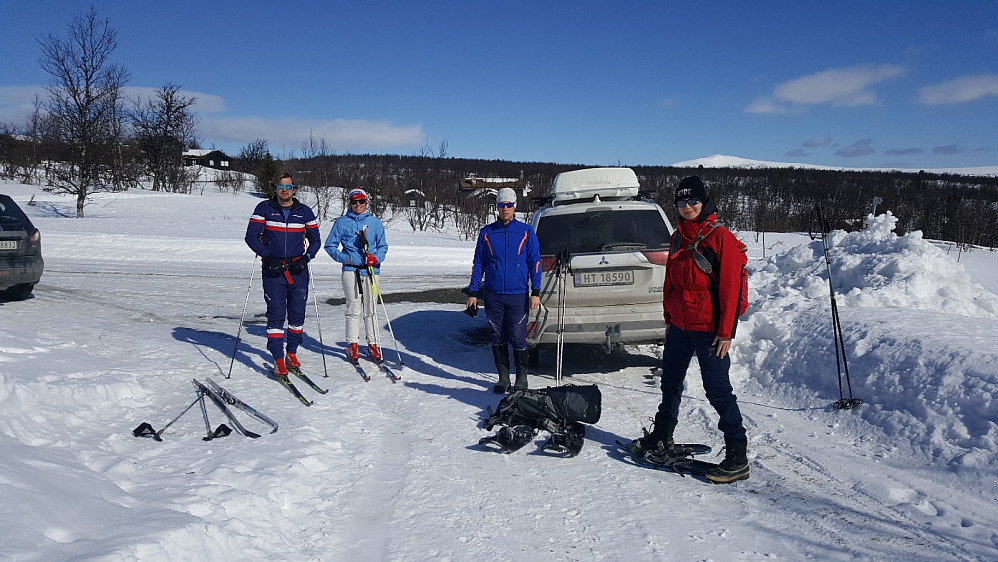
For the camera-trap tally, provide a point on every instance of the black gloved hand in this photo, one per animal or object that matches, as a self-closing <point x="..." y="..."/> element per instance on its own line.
<point x="298" y="265"/>
<point x="273" y="267"/>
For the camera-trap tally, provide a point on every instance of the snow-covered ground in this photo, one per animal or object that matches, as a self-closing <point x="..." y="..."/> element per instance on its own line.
<point x="146" y="292"/>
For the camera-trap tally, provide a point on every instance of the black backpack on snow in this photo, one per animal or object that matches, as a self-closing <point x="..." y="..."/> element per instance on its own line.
<point x="560" y="411"/>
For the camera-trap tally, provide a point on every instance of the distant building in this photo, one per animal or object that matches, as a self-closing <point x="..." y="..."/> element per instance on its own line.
<point x="472" y="182"/>
<point x="207" y="158"/>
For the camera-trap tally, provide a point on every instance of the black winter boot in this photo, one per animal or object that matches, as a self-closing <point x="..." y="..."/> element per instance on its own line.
<point x="735" y="466"/>
<point x="521" y="357"/>
<point x="500" y="354"/>
<point x="660" y="437"/>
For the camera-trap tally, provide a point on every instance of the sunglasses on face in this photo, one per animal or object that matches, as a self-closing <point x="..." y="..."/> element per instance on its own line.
<point x="358" y="201"/>
<point x="284" y="186"/>
<point x="691" y="202"/>
<point x="506" y="205"/>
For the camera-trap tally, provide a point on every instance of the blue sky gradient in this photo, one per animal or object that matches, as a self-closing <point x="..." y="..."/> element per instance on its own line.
<point x="857" y="84"/>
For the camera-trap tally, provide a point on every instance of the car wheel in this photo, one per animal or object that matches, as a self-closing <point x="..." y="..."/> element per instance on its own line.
<point x="17" y="292"/>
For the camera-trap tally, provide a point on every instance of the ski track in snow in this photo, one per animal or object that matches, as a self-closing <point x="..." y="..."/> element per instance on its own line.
<point x="392" y="471"/>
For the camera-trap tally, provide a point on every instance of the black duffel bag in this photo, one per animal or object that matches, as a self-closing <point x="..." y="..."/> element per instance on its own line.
<point x="540" y="408"/>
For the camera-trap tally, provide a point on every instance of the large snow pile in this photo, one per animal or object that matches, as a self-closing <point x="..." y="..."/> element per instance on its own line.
<point x="900" y="299"/>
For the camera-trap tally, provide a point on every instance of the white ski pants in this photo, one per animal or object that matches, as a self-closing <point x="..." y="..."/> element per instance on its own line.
<point x="360" y="305"/>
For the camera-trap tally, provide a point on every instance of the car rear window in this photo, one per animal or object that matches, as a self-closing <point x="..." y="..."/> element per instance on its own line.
<point x="603" y="231"/>
<point x="11" y="216"/>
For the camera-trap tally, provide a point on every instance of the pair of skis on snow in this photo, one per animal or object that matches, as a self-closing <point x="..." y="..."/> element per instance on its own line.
<point x="296" y="371"/>
<point x="286" y="381"/>
<point x="381" y="366"/>
<point x="221" y="398"/>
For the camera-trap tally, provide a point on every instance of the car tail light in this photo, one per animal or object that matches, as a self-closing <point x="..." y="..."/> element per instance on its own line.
<point x="548" y="262"/>
<point x="36" y="238"/>
<point x="657" y="258"/>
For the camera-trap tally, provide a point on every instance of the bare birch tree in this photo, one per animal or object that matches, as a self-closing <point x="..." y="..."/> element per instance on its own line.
<point x="84" y="99"/>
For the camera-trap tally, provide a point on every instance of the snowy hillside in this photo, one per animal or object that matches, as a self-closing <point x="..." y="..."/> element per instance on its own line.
<point x="722" y="161"/>
<point x="146" y="293"/>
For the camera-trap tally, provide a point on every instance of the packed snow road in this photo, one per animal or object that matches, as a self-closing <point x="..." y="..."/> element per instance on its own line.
<point x="382" y="470"/>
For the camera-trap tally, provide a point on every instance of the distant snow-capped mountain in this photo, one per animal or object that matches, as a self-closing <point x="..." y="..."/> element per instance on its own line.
<point x="722" y="161"/>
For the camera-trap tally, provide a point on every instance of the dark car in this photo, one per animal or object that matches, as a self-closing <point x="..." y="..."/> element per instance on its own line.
<point x="20" y="252"/>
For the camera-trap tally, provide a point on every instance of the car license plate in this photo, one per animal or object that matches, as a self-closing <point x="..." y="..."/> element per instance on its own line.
<point x="8" y="244"/>
<point x="604" y="278"/>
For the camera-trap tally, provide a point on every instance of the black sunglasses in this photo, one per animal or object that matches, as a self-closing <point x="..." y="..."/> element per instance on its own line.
<point x="358" y="201"/>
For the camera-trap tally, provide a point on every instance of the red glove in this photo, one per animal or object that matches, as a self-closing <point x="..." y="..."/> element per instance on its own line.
<point x="370" y="260"/>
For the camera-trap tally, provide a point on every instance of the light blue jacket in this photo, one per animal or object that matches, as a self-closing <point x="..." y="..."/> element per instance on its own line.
<point x="344" y="242"/>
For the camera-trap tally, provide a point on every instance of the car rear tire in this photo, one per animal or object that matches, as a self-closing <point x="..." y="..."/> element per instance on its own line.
<point x="17" y="292"/>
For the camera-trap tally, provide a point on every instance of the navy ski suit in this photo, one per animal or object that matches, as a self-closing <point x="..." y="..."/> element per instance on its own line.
<point x="287" y="238"/>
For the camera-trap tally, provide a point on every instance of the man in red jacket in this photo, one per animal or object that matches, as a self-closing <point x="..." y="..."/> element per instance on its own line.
<point x="701" y="312"/>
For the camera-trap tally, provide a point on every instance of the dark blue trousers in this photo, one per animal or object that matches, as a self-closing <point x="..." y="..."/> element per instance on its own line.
<point x="507" y="316"/>
<point x="285" y="300"/>
<point x="680" y="346"/>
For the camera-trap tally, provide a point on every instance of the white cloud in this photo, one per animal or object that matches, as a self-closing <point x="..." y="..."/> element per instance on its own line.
<point x="17" y="103"/>
<point x="903" y="151"/>
<point x="207" y="103"/>
<point x="948" y="149"/>
<point x="16" y="106"/>
<point x="340" y="134"/>
<point x="766" y="105"/>
<point x="818" y="141"/>
<point x="960" y="90"/>
<point x="843" y="87"/>
<point x="858" y="148"/>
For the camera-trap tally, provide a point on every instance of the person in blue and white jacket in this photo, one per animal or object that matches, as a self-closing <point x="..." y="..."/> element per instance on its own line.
<point x="357" y="240"/>
<point x="285" y="233"/>
<point x="509" y="257"/>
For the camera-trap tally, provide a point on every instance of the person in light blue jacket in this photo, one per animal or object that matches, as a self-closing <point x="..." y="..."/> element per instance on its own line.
<point x="508" y="256"/>
<point x="357" y="240"/>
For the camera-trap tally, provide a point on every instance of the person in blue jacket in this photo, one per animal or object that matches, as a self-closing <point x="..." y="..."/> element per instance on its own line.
<point x="357" y="240"/>
<point x="285" y="233"/>
<point x="508" y="255"/>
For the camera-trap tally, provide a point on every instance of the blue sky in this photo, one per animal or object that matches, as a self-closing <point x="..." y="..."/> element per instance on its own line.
<point x="852" y="83"/>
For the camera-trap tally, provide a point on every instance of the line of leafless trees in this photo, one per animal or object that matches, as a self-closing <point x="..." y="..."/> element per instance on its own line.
<point x="424" y="190"/>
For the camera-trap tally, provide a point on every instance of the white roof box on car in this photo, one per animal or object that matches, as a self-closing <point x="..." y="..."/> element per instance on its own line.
<point x="591" y="182"/>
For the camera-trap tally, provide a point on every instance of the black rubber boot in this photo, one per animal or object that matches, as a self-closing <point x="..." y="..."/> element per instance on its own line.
<point x="660" y="436"/>
<point x="735" y="466"/>
<point x="521" y="357"/>
<point x="500" y="354"/>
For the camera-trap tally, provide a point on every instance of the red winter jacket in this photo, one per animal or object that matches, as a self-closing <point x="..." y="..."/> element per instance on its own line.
<point x="686" y="297"/>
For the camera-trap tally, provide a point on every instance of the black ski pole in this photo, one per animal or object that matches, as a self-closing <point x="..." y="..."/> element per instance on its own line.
<point x="563" y="272"/>
<point x="239" y="331"/>
<point x="204" y="412"/>
<point x="318" y="325"/>
<point x="159" y="434"/>
<point x="823" y="228"/>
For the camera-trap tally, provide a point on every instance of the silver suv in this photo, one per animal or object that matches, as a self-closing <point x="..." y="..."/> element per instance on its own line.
<point x="612" y="246"/>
